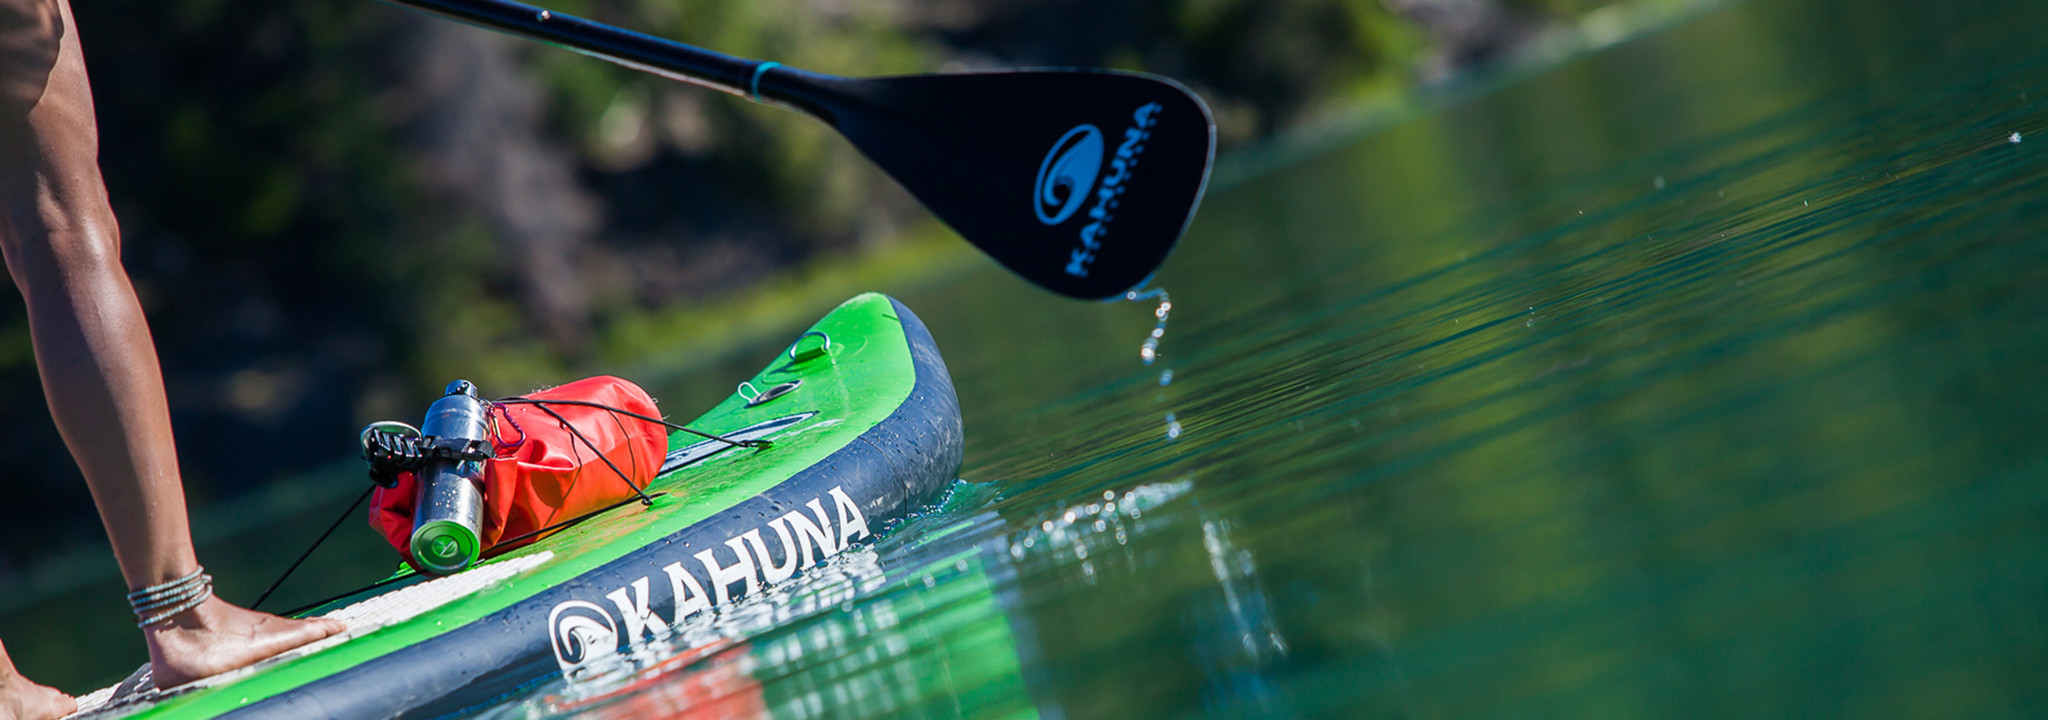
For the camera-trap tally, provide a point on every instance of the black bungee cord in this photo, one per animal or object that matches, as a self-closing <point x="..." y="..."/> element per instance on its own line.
<point x="516" y="400"/>
<point x="316" y="544"/>
<point x="641" y="494"/>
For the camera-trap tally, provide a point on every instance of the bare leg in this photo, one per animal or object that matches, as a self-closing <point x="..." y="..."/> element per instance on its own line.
<point x="24" y="700"/>
<point x="99" y="365"/>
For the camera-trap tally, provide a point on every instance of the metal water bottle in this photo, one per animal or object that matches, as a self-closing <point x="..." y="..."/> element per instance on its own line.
<point x="448" y="515"/>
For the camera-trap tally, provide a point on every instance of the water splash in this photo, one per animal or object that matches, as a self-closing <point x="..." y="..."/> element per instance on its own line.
<point x="1097" y="530"/>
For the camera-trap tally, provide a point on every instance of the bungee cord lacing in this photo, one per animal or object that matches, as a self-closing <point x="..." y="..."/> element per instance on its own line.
<point x="395" y="446"/>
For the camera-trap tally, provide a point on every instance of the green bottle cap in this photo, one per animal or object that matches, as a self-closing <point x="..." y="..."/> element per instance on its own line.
<point x="445" y="547"/>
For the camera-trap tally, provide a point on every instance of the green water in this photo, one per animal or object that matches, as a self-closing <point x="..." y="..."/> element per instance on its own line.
<point x="1701" y="376"/>
<point x="1698" y="377"/>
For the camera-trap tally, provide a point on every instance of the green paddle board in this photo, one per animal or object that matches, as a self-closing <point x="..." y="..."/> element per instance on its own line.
<point x="864" y="428"/>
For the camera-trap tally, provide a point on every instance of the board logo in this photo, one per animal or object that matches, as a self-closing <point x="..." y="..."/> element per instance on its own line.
<point x="1067" y="174"/>
<point x="581" y="632"/>
<point x="585" y="633"/>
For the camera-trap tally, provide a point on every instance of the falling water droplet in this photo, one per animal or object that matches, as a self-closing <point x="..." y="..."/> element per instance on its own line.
<point x="2014" y="138"/>
<point x="1150" y="350"/>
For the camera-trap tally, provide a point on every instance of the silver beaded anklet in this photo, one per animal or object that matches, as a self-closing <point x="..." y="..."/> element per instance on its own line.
<point x="157" y="603"/>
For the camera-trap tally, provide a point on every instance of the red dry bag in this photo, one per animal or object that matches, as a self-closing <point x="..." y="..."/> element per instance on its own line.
<point x="542" y="474"/>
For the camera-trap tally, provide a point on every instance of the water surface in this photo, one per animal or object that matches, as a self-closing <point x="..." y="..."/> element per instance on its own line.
<point x="1698" y="377"/>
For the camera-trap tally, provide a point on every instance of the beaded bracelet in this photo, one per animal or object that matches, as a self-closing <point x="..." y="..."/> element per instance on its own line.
<point x="157" y="603"/>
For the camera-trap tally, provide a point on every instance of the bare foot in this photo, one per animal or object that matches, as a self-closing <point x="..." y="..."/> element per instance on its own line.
<point x="217" y="637"/>
<point x="24" y="700"/>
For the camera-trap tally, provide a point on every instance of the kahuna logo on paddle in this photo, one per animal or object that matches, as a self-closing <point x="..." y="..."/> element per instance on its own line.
<point x="1066" y="180"/>
<point x="583" y="632"/>
<point x="1068" y="173"/>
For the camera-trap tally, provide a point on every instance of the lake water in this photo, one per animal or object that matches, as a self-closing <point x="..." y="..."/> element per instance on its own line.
<point x="1700" y="376"/>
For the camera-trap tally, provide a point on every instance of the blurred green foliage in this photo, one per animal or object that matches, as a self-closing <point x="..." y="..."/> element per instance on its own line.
<point x="332" y="207"/>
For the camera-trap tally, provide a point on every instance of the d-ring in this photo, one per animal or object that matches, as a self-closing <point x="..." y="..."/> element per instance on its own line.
<point x="813" y="352"/>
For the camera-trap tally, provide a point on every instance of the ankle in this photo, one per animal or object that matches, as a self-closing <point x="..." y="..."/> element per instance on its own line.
<point x="168" y="601"/>
<point x="11" y="680"/>
<point x="199" y="617"/>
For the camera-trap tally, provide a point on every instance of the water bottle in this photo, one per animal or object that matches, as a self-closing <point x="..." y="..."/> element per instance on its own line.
<point x="447" y="520"/>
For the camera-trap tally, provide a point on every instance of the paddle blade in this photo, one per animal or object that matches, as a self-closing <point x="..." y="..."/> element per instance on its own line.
<point x="1080" y="181"/>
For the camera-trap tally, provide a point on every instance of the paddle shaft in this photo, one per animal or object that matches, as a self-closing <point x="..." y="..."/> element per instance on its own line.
<point x="667" y="58"/>
<point x="1041" y="169"/>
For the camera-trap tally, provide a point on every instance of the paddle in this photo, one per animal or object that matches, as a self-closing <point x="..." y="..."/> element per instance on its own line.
<point x="1080" y="181"/>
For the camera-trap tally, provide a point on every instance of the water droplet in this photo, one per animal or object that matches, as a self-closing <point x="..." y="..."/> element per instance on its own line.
<point x="1172" y="427"/>
<point x="1109" y="494"/>
<point x="1166" y="377"/>
<point x="1659" y="182"/>
<point x="2014" y="138"/>
<point x="1150" y="350"/>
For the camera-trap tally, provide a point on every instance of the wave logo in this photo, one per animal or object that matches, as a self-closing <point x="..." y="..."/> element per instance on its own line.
<point x="1068" y="174"/>
<point x="581" y="632"/>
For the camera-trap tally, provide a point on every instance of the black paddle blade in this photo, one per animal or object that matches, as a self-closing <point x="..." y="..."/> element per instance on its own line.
<point x="1080" y="181"/>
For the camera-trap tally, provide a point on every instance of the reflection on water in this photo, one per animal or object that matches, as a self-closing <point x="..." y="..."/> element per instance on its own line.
<point x="945" y="635"/>
<point x="830" y="643"/>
